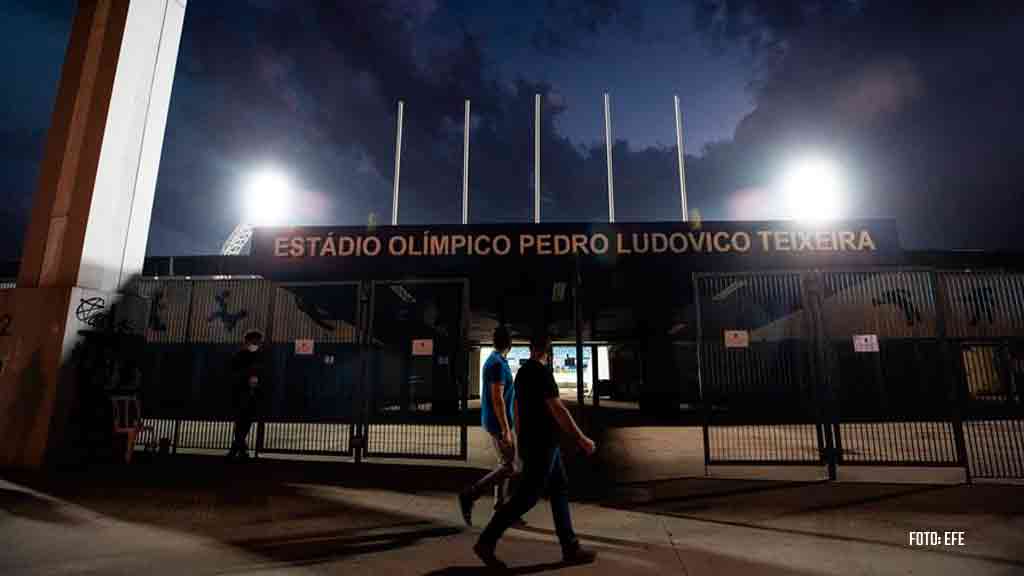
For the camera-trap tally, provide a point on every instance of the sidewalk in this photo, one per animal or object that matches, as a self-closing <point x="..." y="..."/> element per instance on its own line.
<point x="199" y="515"/>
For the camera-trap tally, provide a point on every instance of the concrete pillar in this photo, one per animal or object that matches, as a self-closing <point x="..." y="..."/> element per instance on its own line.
<point x="90" y="218"/>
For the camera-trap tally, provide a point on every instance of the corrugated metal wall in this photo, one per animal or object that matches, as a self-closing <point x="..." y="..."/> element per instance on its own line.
<point x="224" y="310"/>
<point x="170" y="302"/>
<point x="293" y="319"/>
<point x="984" y="305"/>
<point x="888" y="304"/>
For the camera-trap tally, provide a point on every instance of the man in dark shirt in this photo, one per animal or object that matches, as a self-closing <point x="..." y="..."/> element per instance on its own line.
<point x="542" y="417"/>
<point x="248" y="369"/>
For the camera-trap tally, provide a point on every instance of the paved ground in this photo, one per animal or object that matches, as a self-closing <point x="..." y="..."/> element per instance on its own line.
<point x="196" y="515"/>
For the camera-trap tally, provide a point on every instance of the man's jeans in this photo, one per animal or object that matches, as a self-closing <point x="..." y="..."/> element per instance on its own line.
<point x="540" y="471"/>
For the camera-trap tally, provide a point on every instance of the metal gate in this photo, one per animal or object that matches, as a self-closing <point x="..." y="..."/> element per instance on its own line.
<point x="342" y="385"/>
<point x="893" y="389"/>
<point x="415" y="384"/>
<point x="756" y="371"/>
<point x="885" y="368"/>
<point x="986" y="329"/>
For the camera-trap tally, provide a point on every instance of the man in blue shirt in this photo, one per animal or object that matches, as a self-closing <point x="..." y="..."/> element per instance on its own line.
<point x="497" y="399"/>
<point x="541" y="420"/>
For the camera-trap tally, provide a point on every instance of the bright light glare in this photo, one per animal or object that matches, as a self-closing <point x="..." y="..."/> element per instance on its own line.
<point x="266" y="198"/>
<point x="812" y="189"/>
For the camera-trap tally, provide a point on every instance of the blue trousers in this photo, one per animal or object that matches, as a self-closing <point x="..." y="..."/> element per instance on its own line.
<point x="540" y="471"/>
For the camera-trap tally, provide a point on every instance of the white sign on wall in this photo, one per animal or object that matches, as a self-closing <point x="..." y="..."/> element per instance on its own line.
<point x="304" y="347"/>
<point x="737" y="339"/>
<point x="865" y="342"/>
<point x="422" y="347"/>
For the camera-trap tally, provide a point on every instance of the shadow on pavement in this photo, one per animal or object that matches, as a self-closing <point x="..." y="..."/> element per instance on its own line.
<point x="751" y="499"/>
<point x="532" y="569"/>
<point x="845" y="512"/>
<point x="314" y="549"/>
<point x="28" y="505"/>
<point x="258" y="507"/>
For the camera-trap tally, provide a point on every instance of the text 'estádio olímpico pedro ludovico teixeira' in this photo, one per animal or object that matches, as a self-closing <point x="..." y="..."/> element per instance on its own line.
<point x="427" y="243"/>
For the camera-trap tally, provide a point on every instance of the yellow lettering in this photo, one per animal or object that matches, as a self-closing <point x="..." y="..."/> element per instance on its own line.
<point x="622" y="249"/>
<point x="544" y="244"/>
<point x="718" y="240"/>
<point x="741" y="241"/>
<point x="579" y="244"/>
<point x="371" y="246"/>
<point x="562" y="244"/>
<point x="846" y="241"/>
<point x="659" y="243"/>
<point x="439" y="245"/>
<point x="329" y="249"/>
<point x="866" y="241"/>
<point x="397" y="246"/>
<point x="486" y="249"/>
<point x="825" y="241"/>
<point x="700" y="242"/>
<point x="803" y="241"/>
<point x="783" y="241"/>
<point x="641" y="244"/>
<point x="505" y="245"/>
<point x="677" y="241"/>
<point x="526" y="241"/>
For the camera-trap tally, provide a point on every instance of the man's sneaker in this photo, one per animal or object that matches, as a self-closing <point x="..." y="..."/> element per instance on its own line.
<point x="578" y="555"/>
<point x="466" y="506"/>
<point x="486" y="555"/>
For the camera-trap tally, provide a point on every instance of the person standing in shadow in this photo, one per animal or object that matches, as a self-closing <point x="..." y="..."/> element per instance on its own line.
<point x="248" y="369"/>
<point x="542" y="418"/>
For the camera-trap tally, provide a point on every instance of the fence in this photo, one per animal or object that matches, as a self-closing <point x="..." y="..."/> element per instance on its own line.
<point x="847" y="368"/>
<point x="316" y="402"/>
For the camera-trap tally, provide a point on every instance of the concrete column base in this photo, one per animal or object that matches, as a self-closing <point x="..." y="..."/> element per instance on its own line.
<point x="37" y="376"/>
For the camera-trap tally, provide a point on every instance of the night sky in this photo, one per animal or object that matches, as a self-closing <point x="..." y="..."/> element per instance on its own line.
<point x="919" y="102"/>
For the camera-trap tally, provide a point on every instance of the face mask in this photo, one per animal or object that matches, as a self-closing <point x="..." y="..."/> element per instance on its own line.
<point x="253" y="347"/>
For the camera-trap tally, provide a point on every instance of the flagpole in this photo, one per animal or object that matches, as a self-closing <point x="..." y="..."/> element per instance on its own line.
<point x="679" y="153"/>
<point x="465" y="167"/>
<point x="608" y="153"/>
<point x="398" y="163"/>
<point x="536" y="158"/>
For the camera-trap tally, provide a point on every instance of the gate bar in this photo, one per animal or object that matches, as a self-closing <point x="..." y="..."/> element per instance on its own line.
<point x="952" y="385"/>
<point x="700" y="372"/>
<point x="578" y="321"/>
<point x="811" y="288"/>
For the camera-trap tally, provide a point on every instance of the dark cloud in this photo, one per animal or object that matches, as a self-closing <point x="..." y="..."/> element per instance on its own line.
<point x="917" y="99"/>
<point x="315" y="89"/>
<point x="567" y="25"/>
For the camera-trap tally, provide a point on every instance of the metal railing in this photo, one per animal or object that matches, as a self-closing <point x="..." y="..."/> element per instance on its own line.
<point x="865" y="367"/>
